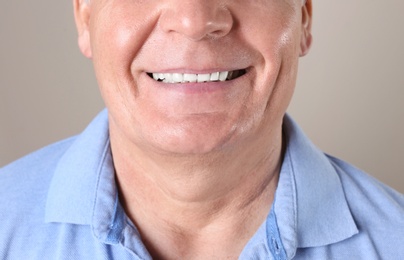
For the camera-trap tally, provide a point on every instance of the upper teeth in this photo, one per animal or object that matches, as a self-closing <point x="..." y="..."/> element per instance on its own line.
<point x="186" y="77"/>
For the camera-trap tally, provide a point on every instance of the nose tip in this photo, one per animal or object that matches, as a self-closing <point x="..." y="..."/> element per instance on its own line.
<point x="197" y="20"/>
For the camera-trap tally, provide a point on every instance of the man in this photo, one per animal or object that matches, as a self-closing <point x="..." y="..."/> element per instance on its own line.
<point x="194" y="157"/>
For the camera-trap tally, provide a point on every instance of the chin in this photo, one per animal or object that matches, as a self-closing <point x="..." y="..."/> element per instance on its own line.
<point x="201" y="137"/>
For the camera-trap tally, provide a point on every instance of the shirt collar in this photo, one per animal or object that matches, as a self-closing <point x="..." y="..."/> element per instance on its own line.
<point x="72" y="192"/>
<point x="83" y="190"/>
<point x="310" y="205"/>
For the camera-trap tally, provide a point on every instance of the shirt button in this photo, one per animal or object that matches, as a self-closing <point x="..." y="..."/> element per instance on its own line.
<point x="276" y="246"/>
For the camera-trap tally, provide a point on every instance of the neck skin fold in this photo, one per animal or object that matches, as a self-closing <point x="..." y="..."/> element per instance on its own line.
<point x="222" y="196"/>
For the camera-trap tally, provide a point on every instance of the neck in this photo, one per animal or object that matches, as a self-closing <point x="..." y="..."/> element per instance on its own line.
<point x="194" y="197"/>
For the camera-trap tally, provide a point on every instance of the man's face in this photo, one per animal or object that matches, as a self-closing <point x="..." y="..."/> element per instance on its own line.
<point x="149" y="56"/>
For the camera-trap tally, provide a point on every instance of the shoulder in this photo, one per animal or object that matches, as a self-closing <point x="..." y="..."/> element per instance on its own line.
<point x="24" y="186"/>
<point x="377" y="212"/>
<point x="377" y="209"/>
<point x="38" y="161"/>
<point x="359" y="185"/>
<point x="28" y="178"/>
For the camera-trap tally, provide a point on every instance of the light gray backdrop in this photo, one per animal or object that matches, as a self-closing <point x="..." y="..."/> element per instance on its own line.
<point x="349" y="97"/>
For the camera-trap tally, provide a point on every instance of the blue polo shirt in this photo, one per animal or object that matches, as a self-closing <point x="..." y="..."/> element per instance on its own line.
<point x="61" y="202"/>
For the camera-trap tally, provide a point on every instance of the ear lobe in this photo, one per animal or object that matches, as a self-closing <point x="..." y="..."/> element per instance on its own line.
<point x="306" y="36"/>
<point x="82" y="18"/>
<point x="84" y="44"/>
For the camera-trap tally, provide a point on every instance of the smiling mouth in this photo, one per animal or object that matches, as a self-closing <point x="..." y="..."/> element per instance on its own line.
<point x="199" y="78"/>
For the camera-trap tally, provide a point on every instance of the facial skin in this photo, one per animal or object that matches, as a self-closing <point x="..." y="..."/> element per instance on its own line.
<point x="197" y="164"/>
<point x="129" y="38"/>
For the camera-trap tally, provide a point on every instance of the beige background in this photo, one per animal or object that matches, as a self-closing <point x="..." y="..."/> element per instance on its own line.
<point x="349" y="97"/>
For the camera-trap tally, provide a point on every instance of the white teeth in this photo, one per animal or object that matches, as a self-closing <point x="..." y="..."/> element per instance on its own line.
<point x="187" y="77"/>
<point x="223" y="75"/>
<point x="177" y="77"/>
<point x="158" y="76"/>
<point x="190" y="77"/>
<point x="168" y="78"/>
<point x="214" y="76"/>
<point x="203" y="77"/>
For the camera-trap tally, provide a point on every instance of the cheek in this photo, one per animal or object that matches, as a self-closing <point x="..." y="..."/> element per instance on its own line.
<point x="120" y="29"/>
<point x="277" y="68"/>
<point x="272" y="36"/>
<point x="113" y="46"/>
